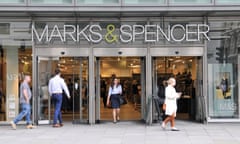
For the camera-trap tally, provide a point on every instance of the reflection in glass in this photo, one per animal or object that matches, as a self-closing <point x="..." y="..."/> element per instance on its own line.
<point x="51" y="1"/>
<point x="190" y="1"/>
<point x="144" y="2"/>
<point x="98" y="1"/>
<point x="227" y="2"/>
<point x="223" y="65"/>
<point x="12" y="1"/>
<point x="74" y="70"/>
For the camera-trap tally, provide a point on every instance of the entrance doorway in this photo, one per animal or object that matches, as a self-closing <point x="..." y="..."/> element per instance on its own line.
<point x="74" y="70"/>
<point x="187" y="70"/>
<point x="131" y="72"/>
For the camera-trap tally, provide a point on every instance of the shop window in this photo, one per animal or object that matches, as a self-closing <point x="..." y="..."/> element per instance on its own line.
<point x="12" y="1"/>
<point x="51" y="1"/>
<point x="190" y="1"/>
<point x="136" y="2"/>
<point x="227" y="2"/>
<point x="14" y="62"/>
<point x="98" y="1"/>
<point x="4" y="28"/>
<point x="223" y="70"/>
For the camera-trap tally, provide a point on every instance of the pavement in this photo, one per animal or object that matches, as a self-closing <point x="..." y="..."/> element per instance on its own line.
<point x="124" y="133"/>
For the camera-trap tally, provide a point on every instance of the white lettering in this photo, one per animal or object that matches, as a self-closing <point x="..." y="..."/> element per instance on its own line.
<point x="190" y="33"/>
<point x="204" y="33"/>
<point x="167" y="37"/>
<point x="55" y="33"/>
<point x="125" y="33"/>
<point x="97" y="34"/>
<point x="135" y="31"/>
<point x="172" y="32"/>
<point x="149" y="33"/>
<point x="65" y="32"/>
<point x="45" y="31"/>
<point x="82" y="32"/>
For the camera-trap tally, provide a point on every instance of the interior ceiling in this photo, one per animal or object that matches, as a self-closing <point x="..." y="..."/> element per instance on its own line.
<point x="176" y="59"/>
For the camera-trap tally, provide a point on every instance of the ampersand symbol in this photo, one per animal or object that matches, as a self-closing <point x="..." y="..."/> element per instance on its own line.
<point x="109" y="37"/>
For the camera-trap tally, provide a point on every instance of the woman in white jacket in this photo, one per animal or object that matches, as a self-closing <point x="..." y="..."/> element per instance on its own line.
<point x="171" y="104"/>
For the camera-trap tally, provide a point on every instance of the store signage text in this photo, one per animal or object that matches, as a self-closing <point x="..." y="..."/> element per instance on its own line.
<point x="125" y="34"/>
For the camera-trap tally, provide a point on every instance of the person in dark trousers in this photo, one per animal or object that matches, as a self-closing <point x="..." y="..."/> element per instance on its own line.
<point x="161" y="95"/>
<point x="103" y="92"/>
<point x="25" y="97"/>
<point x="55" y="87"/>
<point x="135" y="93"/>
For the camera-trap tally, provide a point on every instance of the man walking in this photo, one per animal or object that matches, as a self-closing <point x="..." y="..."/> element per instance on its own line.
<point x="56" y="87"/>
<point x="25" y="96"/>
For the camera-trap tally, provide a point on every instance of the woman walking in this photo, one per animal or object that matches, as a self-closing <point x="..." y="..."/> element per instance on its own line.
<point x="115" y="90"/>
<point x="171" y="104"/>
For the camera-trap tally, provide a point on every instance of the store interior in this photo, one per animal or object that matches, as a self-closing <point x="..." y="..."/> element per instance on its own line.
<point x="127" y="69"/>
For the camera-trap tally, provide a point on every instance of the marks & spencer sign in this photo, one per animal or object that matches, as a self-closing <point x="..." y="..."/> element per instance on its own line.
<point x="124" y="33"/>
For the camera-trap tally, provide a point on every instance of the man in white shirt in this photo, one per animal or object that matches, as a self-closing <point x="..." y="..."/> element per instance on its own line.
<point x="55" y="87"/>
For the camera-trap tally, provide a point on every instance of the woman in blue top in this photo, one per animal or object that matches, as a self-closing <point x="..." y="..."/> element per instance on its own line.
<point x="115" y="90"/>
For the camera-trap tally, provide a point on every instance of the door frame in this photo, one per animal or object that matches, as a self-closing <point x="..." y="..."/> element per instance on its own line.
<point x="121" y="52"/>
<point x="198" y="51"/>
<point x="40" y="52"/>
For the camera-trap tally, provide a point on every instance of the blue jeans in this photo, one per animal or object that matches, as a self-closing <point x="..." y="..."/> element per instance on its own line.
<point x="25" y="111"/>
<point x="57" y="101"/>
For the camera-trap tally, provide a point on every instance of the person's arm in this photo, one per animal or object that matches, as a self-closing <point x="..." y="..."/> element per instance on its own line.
<point x="171" y="93"/>
<point x="109" y="95"/>
<point x="65" y="88"/>
<point x="50" y="88"/>
<point x="120" y="89"/>
<point x="25" y="94"/>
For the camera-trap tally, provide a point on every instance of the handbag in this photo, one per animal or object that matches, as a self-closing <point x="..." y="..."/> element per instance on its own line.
<point x="164" y="107"/>
<point x="123" y="101"/>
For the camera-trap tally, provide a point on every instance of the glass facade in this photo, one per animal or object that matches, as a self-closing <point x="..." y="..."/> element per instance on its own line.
<point x="12" y="1"/>
<point x="190" y="1"/>
<point x="51" y="1"/>
<point x="16" y="59"/>
<point x="227" y="2"/>
<point x="98" y="2"/>
<point x="219" y="38"/>
<point x="122" y="2"/>
<point x="140" y="2"/>
<point x="223" y="69"/>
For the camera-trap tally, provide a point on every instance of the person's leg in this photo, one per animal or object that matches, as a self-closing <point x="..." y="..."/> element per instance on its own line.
<point x="114" y="114"/>
<point x="118" y="114"/>
<point x="105" y="101"/>
<point x="172" y="121"/>
<point x="173" y="128"/>
<point x="55" y="118"/>
<point x="28" y="115"/>
<point x="60" y="105"/>
<point x="24" y="111"/>
<point x="167" y="119"/>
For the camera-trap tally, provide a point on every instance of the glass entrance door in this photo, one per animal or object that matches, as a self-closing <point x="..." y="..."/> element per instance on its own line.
<point x="74" y="70"/>
<point x="187" y="70"/>
<point x="131" y="72"/>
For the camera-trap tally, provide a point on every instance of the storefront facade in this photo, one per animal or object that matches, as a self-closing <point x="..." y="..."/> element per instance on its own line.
<point x="38" y="42"/>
